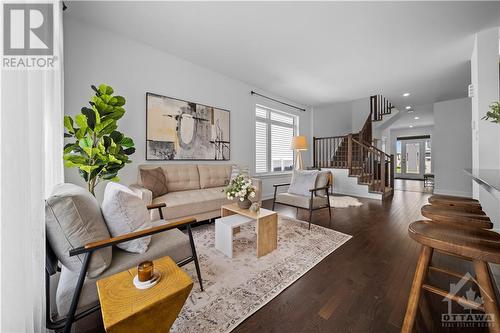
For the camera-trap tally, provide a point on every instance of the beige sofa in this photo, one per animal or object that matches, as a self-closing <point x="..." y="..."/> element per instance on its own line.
<point x="194" y="190"/>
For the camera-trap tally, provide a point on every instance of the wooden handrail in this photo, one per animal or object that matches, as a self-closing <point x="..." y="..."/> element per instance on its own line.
<point x="371" y="147"/>
<point x="330" y="137"/>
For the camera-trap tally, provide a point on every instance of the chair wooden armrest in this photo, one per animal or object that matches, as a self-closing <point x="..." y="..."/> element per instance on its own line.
<point x="130" y="236"/>
<point x="283" y="184"/>
<point x="319" y="188"/>
<point x="158" y="206"/>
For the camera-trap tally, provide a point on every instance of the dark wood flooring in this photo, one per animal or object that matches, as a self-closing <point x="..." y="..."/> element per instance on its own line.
<point x="362" y="286"/>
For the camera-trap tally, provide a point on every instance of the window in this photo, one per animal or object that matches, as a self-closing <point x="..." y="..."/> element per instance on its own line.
<point x="274" y="131"/>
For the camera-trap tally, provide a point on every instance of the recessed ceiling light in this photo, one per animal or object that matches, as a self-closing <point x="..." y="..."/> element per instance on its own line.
<point x="408" y="107"/>
<point x="416" y="118"/>
<point x="406" y="94"/>
<point x="411" y="126"/>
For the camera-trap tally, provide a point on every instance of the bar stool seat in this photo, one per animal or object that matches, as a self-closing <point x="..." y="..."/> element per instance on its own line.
<point x="459" y="203"/>
<point x="481" y="246"/>
<point x="456" y="217"/>
<point x="477" y="244"/>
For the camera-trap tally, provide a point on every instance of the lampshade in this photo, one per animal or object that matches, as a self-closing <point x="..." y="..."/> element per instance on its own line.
<point x="299" y="143"/>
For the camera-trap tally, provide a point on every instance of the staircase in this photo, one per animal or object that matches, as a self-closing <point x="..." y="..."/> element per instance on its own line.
<point x="356" y="153"/>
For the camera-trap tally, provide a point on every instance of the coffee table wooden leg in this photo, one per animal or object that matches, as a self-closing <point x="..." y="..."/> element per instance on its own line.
<point x="267" y="234"/>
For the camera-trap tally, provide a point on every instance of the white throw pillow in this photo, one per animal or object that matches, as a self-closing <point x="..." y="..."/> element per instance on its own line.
<point x="125" y="212"/>
<point x="302" y="182"/>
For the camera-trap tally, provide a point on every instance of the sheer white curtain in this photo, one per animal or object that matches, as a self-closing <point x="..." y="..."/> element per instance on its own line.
<point x="31" y="141"/>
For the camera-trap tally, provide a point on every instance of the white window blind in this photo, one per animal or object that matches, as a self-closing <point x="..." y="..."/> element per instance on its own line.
<point x="274" y="131"/>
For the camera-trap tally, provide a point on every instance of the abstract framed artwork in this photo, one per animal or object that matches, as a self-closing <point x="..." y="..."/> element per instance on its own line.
<point x="182" y="130"/>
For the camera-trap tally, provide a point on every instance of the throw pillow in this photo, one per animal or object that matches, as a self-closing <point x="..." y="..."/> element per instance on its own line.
<point x="236" y="170"/>
<point x="124" y="213"/>
<point x="73" y="218"/>
<point x="155" y="181"/>
<point x="302" y="182"/>
<point x="322" y="181"/>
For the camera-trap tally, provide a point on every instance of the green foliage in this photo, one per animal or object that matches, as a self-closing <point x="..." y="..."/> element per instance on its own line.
<point x="100" y="151"/>
<point x="494" y="113"/>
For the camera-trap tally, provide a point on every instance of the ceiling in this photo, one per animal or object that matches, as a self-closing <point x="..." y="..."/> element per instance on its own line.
<point x="314" y="53"/>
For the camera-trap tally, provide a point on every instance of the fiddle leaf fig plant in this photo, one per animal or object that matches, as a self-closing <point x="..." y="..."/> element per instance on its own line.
<point x="99" y="151"/>
<point x="494" y="113"/>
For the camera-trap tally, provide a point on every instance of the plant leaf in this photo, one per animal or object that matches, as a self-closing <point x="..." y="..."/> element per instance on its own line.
<point x="127" y="142"/>
<point x="68" y="123"/>
<point x="91" y="117"/>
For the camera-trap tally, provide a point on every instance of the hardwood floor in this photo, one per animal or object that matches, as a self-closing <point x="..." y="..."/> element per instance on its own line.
<point x="364" y="285"/>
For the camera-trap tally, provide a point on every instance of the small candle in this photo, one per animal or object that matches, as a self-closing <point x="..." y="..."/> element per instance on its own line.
<point x="145" y="271"/>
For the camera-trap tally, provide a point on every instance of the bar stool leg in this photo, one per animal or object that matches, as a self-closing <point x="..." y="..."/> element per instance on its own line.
<point x="487" y="293"/>
<point x="416" y="288"/>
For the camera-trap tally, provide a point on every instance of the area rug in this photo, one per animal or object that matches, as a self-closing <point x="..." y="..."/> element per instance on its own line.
<point x="344" y="202"/>
<point x="237" y="287"/>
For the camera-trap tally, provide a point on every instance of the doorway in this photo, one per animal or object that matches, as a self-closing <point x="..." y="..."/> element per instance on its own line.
<point x="413" y="157"/>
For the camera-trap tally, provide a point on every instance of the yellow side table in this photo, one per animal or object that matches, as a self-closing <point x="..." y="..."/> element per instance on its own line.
<point x="128" y="309"/>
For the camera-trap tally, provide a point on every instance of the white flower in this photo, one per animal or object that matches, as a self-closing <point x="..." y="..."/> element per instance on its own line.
<point x="242" y="199"/>
<point x="252" y="194"/>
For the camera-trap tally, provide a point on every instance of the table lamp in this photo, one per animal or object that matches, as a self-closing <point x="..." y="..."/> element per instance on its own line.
<point x="299" y="143"/>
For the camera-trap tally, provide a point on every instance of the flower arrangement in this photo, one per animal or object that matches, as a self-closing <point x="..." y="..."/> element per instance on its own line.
<point x="240" y="188"/>
<point x="494" y="113"/>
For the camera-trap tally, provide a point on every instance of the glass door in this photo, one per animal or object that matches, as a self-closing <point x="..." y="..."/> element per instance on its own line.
<point x="411" y="159"/>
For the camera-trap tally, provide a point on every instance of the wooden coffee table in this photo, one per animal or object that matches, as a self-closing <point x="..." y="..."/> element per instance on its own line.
<point x="266" y="226"/>
<point x="128" y="309"/>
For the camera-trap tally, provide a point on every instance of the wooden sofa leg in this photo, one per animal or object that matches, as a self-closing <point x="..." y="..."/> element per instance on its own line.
<point x="195" y="256"/>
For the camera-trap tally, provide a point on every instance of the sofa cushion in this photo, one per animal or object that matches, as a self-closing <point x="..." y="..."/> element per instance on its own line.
<point x="73" y="218"/>
<point x="154" y="180"/>
<point x="300" y="200"/>
<point x="214" y="175"/>
<point x="173" y="243"/>
<point x="302" y="182"/>
<point x="125" y="212"/>
<point x="182" y="177"/>
<point x="186" y="203"/>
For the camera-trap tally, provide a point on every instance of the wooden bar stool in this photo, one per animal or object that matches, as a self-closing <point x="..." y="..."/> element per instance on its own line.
<point x="458" y="203"/>
<point x="441" y="214"/>
<point x="478" y="245"/>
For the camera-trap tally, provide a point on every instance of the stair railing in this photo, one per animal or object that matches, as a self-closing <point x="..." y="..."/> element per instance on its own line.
<point x="379" y="106"/>
<point x="373" y="166"/>
<point x="330" y="152"/>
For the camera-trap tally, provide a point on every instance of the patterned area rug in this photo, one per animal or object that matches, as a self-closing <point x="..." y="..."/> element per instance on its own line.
<point x="236" y="288"/>
<point x="344" y="202"/>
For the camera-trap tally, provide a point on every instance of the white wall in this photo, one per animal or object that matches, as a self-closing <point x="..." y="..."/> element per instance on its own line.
<point x="332" y="120"/>
<point x="340" y="118"/>
<point x="452" y="147"/>
<point x="485" y="135"/>
<point x="360" y="109"/>
<point x="94" y="56"/>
